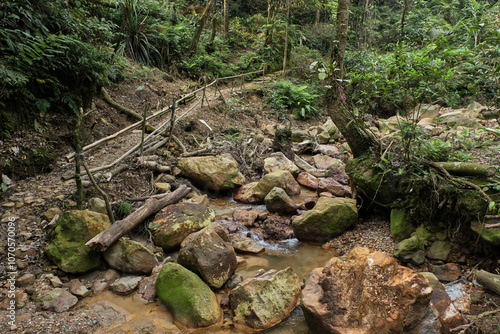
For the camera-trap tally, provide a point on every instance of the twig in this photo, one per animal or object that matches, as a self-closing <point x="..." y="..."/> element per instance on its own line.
<point x="198" y="152"/>
<point x="463" y="328"/>
<point x="102" y="192"/>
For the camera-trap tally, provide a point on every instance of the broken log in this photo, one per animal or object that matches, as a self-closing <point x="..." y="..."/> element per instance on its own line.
<point x="488" y="280"/>
<point x="467" y="169"/>
<point x="107" y="237"/>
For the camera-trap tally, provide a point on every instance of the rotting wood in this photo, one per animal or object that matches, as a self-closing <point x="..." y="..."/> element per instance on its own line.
<point x="106" y="238"/>
<point x="131" y="113"/>
<point x="488" y="280"/>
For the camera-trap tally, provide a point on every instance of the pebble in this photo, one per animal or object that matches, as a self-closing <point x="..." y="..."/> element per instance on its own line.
<point x="374" y="234"/>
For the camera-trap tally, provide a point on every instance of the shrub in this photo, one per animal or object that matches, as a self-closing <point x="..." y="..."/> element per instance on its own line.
<point x="301" y="100"/>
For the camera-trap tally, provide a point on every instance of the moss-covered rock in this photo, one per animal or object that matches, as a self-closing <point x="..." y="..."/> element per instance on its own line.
<point x="439" y="250"/>
<point x="411" y="249"/>
<point x="330" y="217"/>
<point x="263" y="301"/>
<point x="67" y="249"/>
<point x="490" y="235"/>
<point x="175" y="222"/>
<point x="282" y="179"/>
<point x="401" y="223"/>
<point x="208" y="255"/>
<point x="190" y="300"/>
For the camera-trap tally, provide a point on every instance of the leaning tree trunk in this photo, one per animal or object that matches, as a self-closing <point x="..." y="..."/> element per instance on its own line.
<point x="201" y="25"/>
<point x="359" y="138"/>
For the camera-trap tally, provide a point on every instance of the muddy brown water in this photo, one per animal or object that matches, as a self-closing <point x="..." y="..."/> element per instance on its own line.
<point x="143" y="317"/>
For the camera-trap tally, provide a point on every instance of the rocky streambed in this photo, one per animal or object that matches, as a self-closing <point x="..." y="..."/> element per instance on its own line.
<point x="288" y="253"/>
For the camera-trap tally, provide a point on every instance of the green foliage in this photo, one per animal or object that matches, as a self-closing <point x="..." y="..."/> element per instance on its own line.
<point x="124" y="209"/>
<point x="46" y="65"/>
<point x="301" y="100"/>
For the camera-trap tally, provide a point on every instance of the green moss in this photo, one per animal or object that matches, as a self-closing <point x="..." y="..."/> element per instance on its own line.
<point x="190" y="300"/>
<point x="491" y="235"/>
<point x="401" y="223"/>
<point x="67" y="249"/>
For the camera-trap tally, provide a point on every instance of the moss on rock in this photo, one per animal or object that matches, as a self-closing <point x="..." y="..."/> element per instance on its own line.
<point x="67" y="249"/>
<point x="190" y="300"/>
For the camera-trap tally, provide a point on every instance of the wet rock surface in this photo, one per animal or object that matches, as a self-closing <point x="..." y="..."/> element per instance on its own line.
<point x="365" y="291"/>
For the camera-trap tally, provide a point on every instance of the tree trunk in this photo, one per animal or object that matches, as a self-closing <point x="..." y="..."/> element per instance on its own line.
<point x="286" y="37"/>
<point x="358" y="136"/>
<point x="403" y="15"/>
<point x="107" y="237"/>
<point x="201" y="25"/>
<point x="226" y="19"/>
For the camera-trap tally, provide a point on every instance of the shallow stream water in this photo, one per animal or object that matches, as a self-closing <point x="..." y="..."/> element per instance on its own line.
<point x="142" y="317"/>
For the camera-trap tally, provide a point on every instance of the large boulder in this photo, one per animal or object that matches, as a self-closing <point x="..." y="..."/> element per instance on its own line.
<point x="264" y="301"/>
<point x="175" y="222"/>
<point x="208" y="255"/>
<point x="130" y="256"/>
<point x="330" y="217"/>
<point x="277" y="201"/>
<point x="214" y="172"/>
<point x="449" y="317"/>
<point x="67" y="249"/>
<point x="278" y="161"/>
<point x="190" y="300"/>
<point x="365" y="292"/>
<point x="282" y="179"/>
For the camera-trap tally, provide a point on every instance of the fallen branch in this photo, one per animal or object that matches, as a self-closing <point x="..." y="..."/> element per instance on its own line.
<point x="106" y="238"/>
<point x="467" y="169"/>
<point x="131" y="113"/>
<point x="115" y="171"/>
<point x="488" y="280"/>
<point x="198" y="152"/>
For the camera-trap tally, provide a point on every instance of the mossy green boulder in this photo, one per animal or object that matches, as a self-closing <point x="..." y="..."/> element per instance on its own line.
<point x="330" y="217"/>
<point x="190" y="300"/>
<point x="411" y="249"/>
<point x="439" y="250"/>
<point x="401" y="224"/>
<point x="67" y="249"/>
<point x="264" y="301"/>
<point x="490" y="235"/>
<point x="175" y="222"/>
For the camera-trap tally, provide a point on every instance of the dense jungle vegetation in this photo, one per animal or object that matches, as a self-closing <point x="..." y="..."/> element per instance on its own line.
<point x="56" y="54"/>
